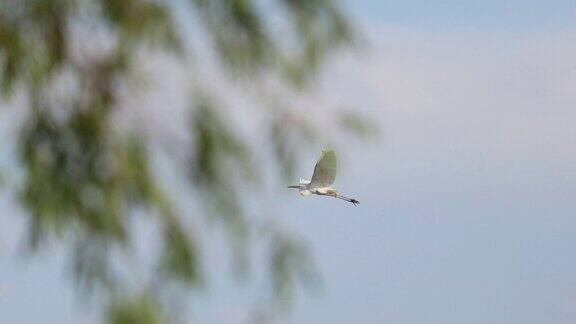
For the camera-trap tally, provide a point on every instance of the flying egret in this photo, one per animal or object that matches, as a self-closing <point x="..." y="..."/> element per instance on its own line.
<point x="322" y="179"/>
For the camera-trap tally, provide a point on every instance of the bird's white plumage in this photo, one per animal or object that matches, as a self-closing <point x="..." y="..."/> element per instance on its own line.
<point x="322" y="179"/>
<point x="324" y="171"/>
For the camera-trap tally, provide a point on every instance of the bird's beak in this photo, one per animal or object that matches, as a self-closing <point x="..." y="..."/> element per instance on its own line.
<point x="295" y="187"/>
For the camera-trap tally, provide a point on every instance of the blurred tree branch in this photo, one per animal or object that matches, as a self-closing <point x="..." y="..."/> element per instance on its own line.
<point x="83" y="175"/>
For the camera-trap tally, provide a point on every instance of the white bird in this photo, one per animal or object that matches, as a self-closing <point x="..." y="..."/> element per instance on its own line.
<point x="322" y="179"/>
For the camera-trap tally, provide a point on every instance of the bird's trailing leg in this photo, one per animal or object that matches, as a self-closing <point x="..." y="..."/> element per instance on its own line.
<point x="335" y="194"/>
<point x="352" y="200"/>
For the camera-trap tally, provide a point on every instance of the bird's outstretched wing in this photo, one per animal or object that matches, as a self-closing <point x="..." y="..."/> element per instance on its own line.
<point x="325" y="170"/>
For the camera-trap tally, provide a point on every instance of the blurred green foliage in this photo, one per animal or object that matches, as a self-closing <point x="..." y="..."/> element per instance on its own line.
<point x="84" y="175"/>
<point x="135" y="310"/>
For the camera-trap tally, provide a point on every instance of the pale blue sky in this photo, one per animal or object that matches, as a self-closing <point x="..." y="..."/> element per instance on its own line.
<point x="467" y="211"/>
<point x="489" y="15"/>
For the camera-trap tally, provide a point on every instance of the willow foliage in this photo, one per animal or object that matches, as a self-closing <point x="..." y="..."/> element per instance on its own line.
<point x="84" y="175"/>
